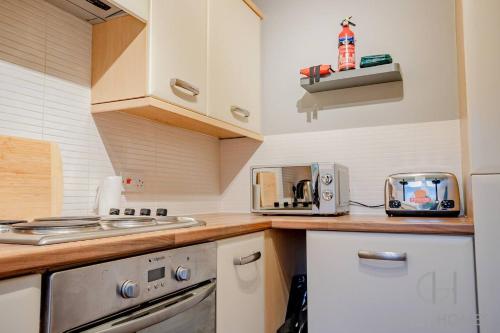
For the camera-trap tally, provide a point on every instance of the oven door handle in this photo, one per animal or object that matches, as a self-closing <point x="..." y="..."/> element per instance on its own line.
<point x="156" y="313"/>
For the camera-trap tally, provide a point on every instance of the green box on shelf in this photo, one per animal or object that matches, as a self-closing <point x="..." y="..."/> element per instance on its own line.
<point x="375" y="60"/>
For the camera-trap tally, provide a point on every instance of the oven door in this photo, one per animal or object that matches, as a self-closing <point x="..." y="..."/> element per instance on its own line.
<point x="190" y="312"/>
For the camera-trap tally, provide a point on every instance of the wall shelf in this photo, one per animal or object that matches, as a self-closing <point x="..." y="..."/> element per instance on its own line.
<point x="170" y="114"/>
<point x="355" y="78"/>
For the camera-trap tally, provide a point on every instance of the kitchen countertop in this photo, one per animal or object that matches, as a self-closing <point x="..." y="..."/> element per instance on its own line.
<point x="23" y="259"/>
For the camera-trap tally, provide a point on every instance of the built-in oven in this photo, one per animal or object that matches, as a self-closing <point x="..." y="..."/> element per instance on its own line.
<point x="163" y="292"/>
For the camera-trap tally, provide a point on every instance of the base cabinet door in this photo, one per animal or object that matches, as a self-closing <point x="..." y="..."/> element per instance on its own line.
<point x="240" y="284"/>
<point x="20" y="301"/>
<point x="234" y="63"/>
<point x="384" y="283"/>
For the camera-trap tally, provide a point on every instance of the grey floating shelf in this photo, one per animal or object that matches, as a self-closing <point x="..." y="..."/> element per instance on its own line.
<point x="354" y="78"/>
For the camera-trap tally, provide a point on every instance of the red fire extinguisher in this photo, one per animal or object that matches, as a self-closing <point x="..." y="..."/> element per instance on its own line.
<point x="347" y="54"/>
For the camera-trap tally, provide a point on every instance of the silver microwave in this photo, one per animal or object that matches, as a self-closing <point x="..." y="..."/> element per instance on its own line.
<point x="300" y="189"/>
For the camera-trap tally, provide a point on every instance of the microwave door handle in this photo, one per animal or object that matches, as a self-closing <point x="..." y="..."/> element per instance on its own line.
<point x="159" y="312"/>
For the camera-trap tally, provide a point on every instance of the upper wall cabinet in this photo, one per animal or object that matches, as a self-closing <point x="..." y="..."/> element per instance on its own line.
<point x="234" y="63"/>
<point x="178" y="52"/>
<point x="195" y="64"/>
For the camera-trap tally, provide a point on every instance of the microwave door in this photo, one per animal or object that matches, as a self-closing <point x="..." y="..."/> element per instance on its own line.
<point x="187" y="312"/>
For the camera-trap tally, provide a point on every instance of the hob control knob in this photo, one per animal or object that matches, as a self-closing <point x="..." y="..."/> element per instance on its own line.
<point x="182" y="273"/>
<point x="161" y="212"/>
<point x="130" y="289"/>
<point x="327" y="179"/>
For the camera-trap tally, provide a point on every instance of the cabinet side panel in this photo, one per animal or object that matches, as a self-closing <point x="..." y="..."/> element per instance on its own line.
<point x="486" y="194"/>
<point x="20" y="294"/>
<point x="119" y="60"/>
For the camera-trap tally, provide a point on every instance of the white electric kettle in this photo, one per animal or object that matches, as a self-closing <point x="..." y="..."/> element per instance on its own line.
<point x="108" y="195"/>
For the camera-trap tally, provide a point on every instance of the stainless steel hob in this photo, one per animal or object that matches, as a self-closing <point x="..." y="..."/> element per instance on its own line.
<point x="52" y="230"/>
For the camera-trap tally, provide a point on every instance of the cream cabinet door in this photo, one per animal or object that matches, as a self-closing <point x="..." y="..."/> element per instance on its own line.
<point x="234" y="64"/>
<point x="20" y="304"/>
<point x="178" y="52"/>
<point x="240" y="284"/>
<point x="383" y="283"/>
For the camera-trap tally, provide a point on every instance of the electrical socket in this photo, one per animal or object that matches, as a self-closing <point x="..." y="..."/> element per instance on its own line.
<point x="132" y="182"/>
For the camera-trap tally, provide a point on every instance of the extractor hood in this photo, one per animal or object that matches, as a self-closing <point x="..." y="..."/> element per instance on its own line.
<point x="92" y="11"/>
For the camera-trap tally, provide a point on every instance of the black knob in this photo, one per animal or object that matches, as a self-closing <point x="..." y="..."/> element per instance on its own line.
<point x="285" y="204"/>
<point x="145" y="212"/>
<point x="129" y="211"/>
<point x="114" y="211"/>
<point x="276" y="205"/>
<point x="448" y="204"/>
<point x="161" y="212"/>
<point x="394" y="203"/>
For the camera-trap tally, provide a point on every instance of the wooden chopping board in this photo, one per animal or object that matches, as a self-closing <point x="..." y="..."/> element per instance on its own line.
<point x="31" y="178"/>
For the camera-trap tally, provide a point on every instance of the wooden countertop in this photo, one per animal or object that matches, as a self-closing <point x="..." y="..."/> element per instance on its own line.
<point x="23" y="259"/>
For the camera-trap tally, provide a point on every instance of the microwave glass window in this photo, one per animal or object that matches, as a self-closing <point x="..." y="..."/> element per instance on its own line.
<point x="156" y="274"/>
<point x="283" y="188"/>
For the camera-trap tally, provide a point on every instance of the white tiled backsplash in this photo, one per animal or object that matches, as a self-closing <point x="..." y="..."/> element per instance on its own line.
<point x="45" y="94"/>
<point x="371" y="153"/>
<point x="45" y="59"/>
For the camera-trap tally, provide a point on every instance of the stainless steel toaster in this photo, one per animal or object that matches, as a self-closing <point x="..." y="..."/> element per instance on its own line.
<point x="422" y="194"/>
<point x="300" y="189"/>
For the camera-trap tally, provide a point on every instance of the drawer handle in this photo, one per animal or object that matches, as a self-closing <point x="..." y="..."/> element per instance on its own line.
<point x="185" y="85"/>
<point x="248" y="259"/>
<point x="240" y="111"/>
<point x="392" y="256"/>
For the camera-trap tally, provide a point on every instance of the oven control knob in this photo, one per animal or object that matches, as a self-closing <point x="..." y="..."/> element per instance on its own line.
<point x="130" y="289"/>
<point x="327" y="179"/>
<point x="182" y="273"/>
<point x="327" y="195"/>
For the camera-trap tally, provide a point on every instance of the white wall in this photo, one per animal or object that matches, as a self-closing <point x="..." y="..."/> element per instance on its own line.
<point x="45" y="59"/>
<point x="378" y="130"/>
<point x="420" y="35"/>
<point x="370" y="153"/>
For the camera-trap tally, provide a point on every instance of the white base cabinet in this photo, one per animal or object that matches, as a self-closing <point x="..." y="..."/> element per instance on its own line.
<point x="240" y="284"/>
<point x="486" y="196"/>
<point x="20" y="300"/>
<point x="427" y="287"/>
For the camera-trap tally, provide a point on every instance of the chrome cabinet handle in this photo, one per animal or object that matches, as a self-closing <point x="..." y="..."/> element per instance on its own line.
<point x="240" y="112"/>
<point x="156" y="313"/>
<point x="391" y="256"/>
<point x="185" y="85"/>
<point x="239" y="261"/>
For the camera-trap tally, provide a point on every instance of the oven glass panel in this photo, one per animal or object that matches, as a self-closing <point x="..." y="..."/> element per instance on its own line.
<point x="156" y="274"/>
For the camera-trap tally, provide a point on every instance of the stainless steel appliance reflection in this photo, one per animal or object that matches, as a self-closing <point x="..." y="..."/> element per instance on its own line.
<point x="163" y="292"/>
<point x="300" y="189"/>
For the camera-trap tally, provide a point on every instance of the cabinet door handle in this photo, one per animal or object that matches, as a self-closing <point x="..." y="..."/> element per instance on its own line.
<point x="240" y="111"/>
<point x="185" y="85"/>
<point x="392" y="256"/>
<point x="238" y="261"/>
